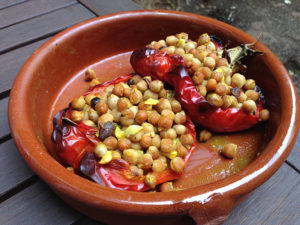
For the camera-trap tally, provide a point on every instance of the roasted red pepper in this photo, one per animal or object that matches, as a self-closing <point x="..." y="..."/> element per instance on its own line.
<point x="170" y="68"/>
<point x="75" y="143"/>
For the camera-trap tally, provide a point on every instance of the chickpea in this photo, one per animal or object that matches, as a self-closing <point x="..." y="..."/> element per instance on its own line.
<point x="166" y="187"/>
<point x="123" y="103"/>
<point x="176" y="106"/>
<point x="89" y="123"/>
<point x="150" y="180"/>
<point x="198" y="78"/>
<point x="105" y="118"/>
<point x="221" y="89"/>
<point x="169" y="113"/>
<point x="179" y="51"/>
<point x="136" y="171"/>
<point x="78" y="103"/>
<point x="142" y="85"/>
<point x="171" y="40"/>
<point x="203" y="39"/>
<point x="252" y="95"/>
<point x="137" y="137"/>
<point x="89" y="98"/>
<point x="217" y="75"/>
<point x="76" y="116"/>
<point x="180" y="129"/>
<point x="111" y="143"/>
<point x="156" y="141"/>
<point x="234" y="101"/>
<point x="100" y="149"/>
<point x="93" y="115"/>
<point x="183" y="36"/>
<point x="89" y="74"/>
<point x="227" y="80"/>
<point x="209" y="62"/>
<point x="153" y="151"/>
<point x="171" y="49"/>
<point x="181" y="150"/>
<point x="158" y="166"/>
<point x="153" y="118"/>
<point x="200" y="54"/>
<point x="165" y="122"/>
<point x="163" y="93"/>
<point x="206" y="72"/>
<point x="156" y="86"/>
<point x="124" y="144"/>
<point x="116" y="115"/>
<point x="146" y="161"/>
<point x="243" y="97"/>
<point x="213" y="55"/>
<point x="112" y="101"/>
<point x="131" y="156"/>
<point x="180" y="118"/>
<point x="163" y="104"/>
<point x="215" y="99"/>
<point x="146" y="141"/>
<point x="127" y="117"/>
<point x="202" y="90"/>
<point x="211" y="85"/>
<point x="167" y="145"/>
<point x="188" y="57"/>
<point x="187" y="139"/>
<point x="126" y="92"/>
<point x="205" y="135"/>
<point x="171" y="133"/>
<point x="101" y="107"/>
<point x="264" y="115"/>
<point x="143" y="106"/>
<point x="177" y="165"/>
<point x="229" y="150"/>
<point x="249" y="106"/>
<point x="118" y="90"/>
<point x="211" y="46"/>
<point x="136" y="146"/>
<point x="189" y="45"/>
<point x="221" y="62"/>
<point x="238" y="80"/>
<point x="94" y="82"/>
<point x="148" y="128"/>
<point x="141" y="116"/>
<point x="150" y="94"/>
<point x="249" y="84"/>
<point x="135" y="96"/>
<point x="135" y="79"/>
<point x="227" y="101"/>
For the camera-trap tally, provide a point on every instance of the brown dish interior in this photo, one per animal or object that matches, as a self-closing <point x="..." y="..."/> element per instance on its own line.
<point x="60" y="76"/>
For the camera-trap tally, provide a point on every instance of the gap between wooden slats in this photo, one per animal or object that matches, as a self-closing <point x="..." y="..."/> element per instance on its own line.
<point x="9" y="3"/>
<point x="30" y="9"/>
<point x="103" y="7"/>
<point x="41" y="27"/>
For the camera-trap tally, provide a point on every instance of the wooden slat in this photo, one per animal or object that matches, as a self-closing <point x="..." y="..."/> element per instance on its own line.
<point x="11" y="62"/>
<point x="13" y="169"/>
<point x="4" y="127"/>
<point x="275" y="202"/>
<point x="36" y="204"/>
<point x="294" y="157"/>
<point x="29" y="10"/>
<point x="33" y="29"/>
<point x="103" y="7"/>
<point x="7" y="3"/>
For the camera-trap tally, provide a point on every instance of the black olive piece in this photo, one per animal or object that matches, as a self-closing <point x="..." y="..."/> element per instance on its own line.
<point x="94" y="102"/>
<point x="107" y="130"/>
<point x="130" y="82"/>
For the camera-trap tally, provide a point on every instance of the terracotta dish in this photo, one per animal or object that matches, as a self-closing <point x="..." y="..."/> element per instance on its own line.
<point x="53" y="76"/>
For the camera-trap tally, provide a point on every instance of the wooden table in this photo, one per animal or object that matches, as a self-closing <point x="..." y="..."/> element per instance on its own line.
<point x="24" y="197"/>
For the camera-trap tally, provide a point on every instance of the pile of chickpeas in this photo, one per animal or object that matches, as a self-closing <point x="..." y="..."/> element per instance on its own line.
<point x="214" y="77"/>
<point x="138" y="121"/>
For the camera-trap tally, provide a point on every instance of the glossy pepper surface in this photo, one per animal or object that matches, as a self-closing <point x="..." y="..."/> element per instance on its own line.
<point x="170" y="68"/>
<point x="74" y="144"/>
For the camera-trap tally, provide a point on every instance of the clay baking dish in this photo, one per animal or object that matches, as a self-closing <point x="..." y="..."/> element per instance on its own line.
<point x="53" y="76"/>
